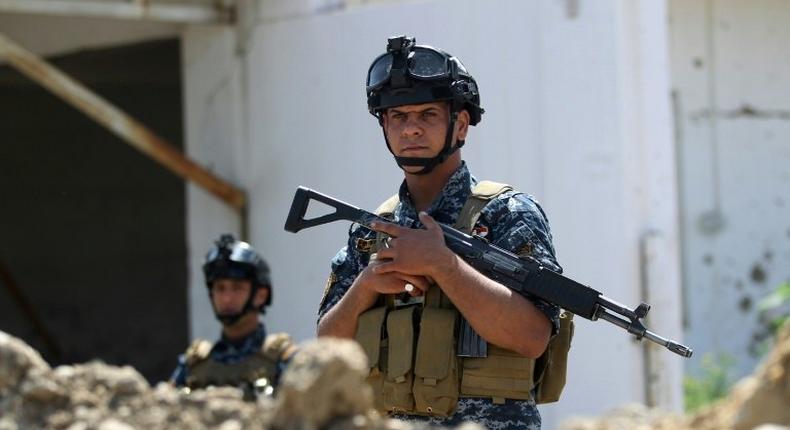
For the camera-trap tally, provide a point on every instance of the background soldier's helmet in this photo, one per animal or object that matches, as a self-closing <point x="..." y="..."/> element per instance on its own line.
<point x="414" y="74"/>
<point x="234" y="259"/>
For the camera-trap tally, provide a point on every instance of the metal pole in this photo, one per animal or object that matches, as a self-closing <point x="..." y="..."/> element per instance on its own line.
<point x="118" y="122"/>
<point x="136" y="10"/>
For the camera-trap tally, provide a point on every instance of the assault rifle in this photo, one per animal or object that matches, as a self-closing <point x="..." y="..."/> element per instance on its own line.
<point x="522" y="274"/>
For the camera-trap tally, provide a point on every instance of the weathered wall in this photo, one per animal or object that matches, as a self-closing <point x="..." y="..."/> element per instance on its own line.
<point x="731" y="76"/>
<point x="213" y="118"/>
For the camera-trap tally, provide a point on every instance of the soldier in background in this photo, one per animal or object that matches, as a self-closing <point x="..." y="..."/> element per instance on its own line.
<point x="240" y="289"/>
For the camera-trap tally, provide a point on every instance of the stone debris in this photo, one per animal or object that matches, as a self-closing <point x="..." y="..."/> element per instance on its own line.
<point x="758" y="402"/>
<point x="323" y="388"/>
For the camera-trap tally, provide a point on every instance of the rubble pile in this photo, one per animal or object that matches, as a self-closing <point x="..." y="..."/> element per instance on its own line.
<point x="323" y="388"/>
<point x="760" y="401"/>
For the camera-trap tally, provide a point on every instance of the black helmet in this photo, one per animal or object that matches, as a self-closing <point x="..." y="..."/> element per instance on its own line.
<point x="414" y="74"/>
<point x="234" y="259"/>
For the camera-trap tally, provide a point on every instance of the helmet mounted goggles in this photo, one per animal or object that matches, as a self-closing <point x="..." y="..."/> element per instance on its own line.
<point x="415" y="74"/>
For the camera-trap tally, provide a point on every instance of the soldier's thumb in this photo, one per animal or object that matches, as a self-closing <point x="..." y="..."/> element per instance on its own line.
<point x="428" y="221"/>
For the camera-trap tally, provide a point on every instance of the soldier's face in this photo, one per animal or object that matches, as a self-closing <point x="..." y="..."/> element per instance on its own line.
<point x="420" y="130"/>
<point x="417" y="130"/>
<point x="230" y="295"/>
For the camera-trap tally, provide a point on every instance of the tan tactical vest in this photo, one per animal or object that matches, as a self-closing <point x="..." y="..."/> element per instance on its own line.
<point x="259" y="369"/>
<point x="413" y="364"/>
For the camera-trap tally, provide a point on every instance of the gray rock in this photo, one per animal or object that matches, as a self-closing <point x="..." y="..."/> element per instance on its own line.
<point x="17" y="359"/>
<point x="324" y="382"/>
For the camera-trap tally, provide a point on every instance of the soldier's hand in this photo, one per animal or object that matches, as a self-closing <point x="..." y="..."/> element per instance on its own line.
<point x="414" y="251"/>
<point x="393" y="282"/>
<point x="369" y="285"/>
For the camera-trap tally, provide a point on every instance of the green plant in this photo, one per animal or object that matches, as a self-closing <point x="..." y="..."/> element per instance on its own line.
<point x="775" y="307"/>
<point x="713" y="384"/>
<point x="715" y="381"/>
<point x="773" y="311"/>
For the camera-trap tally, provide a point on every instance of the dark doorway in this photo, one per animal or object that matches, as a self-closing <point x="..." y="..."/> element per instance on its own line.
<point x="92" y="232"/>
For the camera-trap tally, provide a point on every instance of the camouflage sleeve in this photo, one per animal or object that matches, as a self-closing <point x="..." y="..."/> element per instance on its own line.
<point x="346" y="265"/>
<point x="179" y="376"/>
<point x="518" y="224"/>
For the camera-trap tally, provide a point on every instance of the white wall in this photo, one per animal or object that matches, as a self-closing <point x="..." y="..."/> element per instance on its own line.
<point x="577" y="114"/>
<point x="731" y="73"/>
<point x="213" y="82"/>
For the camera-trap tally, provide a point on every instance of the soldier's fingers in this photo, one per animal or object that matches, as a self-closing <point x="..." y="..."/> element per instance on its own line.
<point x="393" y="230"/>
<point x="385" y="267"/>
<point x="399" y="283"/>
<point x="385" y="254"/>
<point x="419" y="283"/>
<point x="428" y="221"/>
<point x="376" y="259"/>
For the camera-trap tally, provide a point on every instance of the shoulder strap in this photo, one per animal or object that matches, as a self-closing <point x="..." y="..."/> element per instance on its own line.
<point x="198" y="351"/>
<point x="482" y="193"/>
<point x="278" y="347"/>
<point x="389" y="205"/>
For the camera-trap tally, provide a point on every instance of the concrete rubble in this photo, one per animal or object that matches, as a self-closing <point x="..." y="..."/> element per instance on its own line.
<point x="323" y="388"/>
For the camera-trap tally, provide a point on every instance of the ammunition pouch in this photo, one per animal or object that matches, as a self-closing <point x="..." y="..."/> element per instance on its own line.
<point x="396" y="389"/>
<point x="552" y="366"/>
<point x="503" y="374"/>
<point x="436" y="385"/>
<point x="412" y="371"/>
<point x="370" y="337"/>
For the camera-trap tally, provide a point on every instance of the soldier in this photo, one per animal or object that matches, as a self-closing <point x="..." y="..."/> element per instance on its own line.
<point x="239" y="288"/>
<point x="401" y="292"/>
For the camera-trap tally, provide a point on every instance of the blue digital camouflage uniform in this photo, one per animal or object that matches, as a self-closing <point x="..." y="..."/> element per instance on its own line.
<point x="224" y="351"/>
<point x="516" y="223"/>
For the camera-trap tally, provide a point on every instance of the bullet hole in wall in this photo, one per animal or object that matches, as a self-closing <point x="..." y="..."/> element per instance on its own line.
<point x="745" y="304"/>
<point x="758" y="274"/>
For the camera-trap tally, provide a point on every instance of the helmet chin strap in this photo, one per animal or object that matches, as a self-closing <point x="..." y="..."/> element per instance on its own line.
<point x="230" y="319"/>
<point x="428" y="164"/>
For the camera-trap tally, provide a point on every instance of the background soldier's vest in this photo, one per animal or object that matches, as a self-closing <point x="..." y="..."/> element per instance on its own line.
<point x="411" y="349"/>
<point x="260" y="368"/>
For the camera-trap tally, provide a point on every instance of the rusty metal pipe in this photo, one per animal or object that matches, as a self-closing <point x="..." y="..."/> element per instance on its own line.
<point x="119" y="122"/>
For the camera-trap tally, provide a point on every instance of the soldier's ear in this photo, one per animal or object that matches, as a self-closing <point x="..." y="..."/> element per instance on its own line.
<point x="462" y="124"/>
<point x="261" y="296"/>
